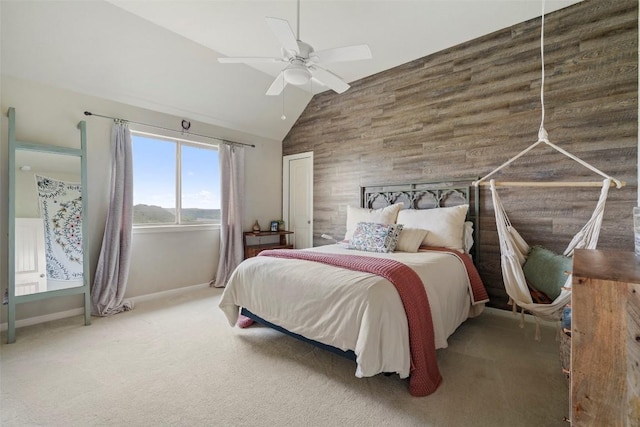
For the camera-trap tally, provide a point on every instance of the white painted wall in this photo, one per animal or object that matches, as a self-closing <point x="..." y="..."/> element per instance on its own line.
<point x="160" y="261"/>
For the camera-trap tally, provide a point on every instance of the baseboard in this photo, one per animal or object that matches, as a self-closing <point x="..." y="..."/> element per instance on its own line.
<point x="167" y="293"/>
<point x="44" y="318"/>
<point x="80" y="311"/>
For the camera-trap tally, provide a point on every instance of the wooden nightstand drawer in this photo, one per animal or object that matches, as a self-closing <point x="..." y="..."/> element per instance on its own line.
<point x="253" y="250"/>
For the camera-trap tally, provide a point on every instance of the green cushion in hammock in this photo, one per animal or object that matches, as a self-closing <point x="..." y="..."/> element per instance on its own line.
<point x="545" y="271"/>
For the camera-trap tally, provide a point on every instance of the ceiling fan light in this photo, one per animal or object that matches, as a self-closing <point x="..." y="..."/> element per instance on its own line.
<point x="297" y="74"/>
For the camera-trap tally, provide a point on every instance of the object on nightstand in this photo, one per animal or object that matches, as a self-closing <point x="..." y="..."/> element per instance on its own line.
<point x="256" y="227"/>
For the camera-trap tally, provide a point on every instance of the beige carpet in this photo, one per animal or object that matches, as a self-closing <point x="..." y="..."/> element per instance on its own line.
<point x="177" y="362"/>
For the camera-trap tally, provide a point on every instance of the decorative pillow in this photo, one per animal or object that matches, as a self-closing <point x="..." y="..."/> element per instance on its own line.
<point x="445" y="225"/>
<point x="410" y="239"/>
<point x="375" y="237"/>
<point x="545" y="271"/>
<point x="386" y="215"/>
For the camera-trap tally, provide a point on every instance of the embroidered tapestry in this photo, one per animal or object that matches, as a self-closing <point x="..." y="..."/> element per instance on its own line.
<point x="61" y="209"/>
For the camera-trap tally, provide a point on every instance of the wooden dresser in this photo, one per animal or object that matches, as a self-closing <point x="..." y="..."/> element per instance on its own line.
<point x="605" y="339"/>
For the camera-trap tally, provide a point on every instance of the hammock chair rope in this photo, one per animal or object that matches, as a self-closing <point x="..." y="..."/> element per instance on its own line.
<point x="514" y="249"/>
<point x="543" y="137"/>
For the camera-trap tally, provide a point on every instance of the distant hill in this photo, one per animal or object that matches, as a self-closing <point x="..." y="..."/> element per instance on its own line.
<point x="198" y="215"/>
<point x="151" y="214"/>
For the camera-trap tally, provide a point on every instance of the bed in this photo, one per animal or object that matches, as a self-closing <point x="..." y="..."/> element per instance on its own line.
<point x="389" y="310"/>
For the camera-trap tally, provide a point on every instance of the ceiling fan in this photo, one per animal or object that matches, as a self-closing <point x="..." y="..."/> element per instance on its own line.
<point x="303" y="61"/>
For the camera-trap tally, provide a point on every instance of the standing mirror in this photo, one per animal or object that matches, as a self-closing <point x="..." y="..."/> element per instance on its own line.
<point x="47" y="222"/>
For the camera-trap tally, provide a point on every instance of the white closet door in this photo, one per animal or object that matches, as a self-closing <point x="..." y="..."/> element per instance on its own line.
<point x="298" y="198"/>
<point x="31" y="262"/>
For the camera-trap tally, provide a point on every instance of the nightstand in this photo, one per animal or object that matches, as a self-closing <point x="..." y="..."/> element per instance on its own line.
<point x="253" y="249"/>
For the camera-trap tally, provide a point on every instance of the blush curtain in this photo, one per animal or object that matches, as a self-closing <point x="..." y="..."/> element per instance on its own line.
<point x="231" y="212"/>
<point x="110" y="282"/>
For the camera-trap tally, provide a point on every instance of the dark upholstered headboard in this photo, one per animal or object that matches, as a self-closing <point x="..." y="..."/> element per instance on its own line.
<point x="428" y="195"/>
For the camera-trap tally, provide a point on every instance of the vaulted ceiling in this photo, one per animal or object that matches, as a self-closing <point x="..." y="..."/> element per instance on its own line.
<point x="162" y="55"/>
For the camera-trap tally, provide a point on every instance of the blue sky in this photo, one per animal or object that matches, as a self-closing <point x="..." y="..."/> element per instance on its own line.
<point x="155" y="171"/>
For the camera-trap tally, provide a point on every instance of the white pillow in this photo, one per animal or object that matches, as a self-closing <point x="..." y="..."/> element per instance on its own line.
<point x="386" y="215"/>
<point x="410" y="239"/>
<point x="445" y="225"/>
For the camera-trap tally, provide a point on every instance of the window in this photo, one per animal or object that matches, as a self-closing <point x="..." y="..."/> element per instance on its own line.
<point x="174" y="181"/>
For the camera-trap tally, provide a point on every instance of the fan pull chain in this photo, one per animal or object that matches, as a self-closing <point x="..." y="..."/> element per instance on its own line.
<point x="298" y="23"/>
<point x="283" y="117"/>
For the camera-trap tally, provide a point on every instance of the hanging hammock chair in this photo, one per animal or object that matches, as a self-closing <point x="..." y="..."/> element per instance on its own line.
<point x="514" y="249"/>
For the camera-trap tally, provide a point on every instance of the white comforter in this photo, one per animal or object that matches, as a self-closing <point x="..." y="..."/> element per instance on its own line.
<point x="348" y="309"/>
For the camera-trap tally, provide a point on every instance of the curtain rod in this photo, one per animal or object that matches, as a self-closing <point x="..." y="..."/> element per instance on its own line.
<point x="224" y="141"/>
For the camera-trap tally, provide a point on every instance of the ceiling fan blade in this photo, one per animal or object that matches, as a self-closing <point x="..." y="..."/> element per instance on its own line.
<point x="347" y="53"/>
<point x="277" y="86"/>
<point x="329" y="79"/>
<point x="238" y="60"/>
<point x="284" y="33"/>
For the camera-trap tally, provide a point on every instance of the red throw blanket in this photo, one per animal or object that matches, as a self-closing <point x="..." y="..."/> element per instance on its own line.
<point x="424" y="375"/>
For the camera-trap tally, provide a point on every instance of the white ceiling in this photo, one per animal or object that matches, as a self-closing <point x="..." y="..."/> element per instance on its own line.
<point x="163" y="55"/>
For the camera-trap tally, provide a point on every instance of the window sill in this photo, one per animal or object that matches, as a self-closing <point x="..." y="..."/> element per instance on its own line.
<point x="173" y="228"/>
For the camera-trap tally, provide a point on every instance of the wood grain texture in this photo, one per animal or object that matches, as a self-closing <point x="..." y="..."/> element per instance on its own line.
<point x="463" y="111"/>
<point x="605" y="339"/>
<point x="632" y="397"/>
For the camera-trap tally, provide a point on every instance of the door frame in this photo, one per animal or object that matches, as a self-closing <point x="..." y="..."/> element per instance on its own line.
<point x="286" y="160"/>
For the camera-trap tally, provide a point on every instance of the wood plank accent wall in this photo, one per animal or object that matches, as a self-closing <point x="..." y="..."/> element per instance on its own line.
<point x="461" y="112"/>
